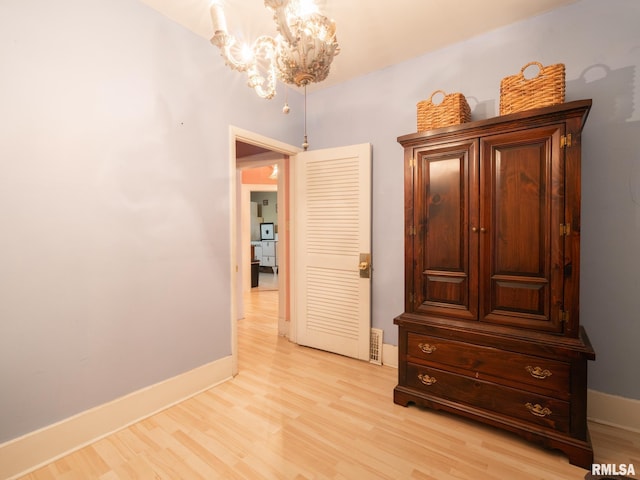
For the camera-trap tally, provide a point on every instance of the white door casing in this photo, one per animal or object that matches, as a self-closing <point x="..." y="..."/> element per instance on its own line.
<point x="332" y="228"/>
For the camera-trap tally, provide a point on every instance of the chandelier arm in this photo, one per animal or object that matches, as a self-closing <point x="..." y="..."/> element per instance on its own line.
<point x="279" y="8"/>
<point x="256" y="79"/>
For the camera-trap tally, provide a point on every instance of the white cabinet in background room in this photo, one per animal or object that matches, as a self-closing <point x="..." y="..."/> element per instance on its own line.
<point x="266" y="251"/>
<point x="269" y="258"/>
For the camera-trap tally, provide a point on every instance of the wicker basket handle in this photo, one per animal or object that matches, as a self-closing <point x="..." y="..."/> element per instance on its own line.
<point x="444" y="94"/>
<point x="538" y="64"/>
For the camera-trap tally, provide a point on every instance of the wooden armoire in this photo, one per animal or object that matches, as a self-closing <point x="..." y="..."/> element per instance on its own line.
<point x="491" y="327"/>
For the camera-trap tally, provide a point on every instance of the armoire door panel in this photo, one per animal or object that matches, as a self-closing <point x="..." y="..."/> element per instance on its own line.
<point x="445" y="289"/>
<point x="518" y="208"/>
<point x="444" y="280"/>
<point x="519" y="296"/>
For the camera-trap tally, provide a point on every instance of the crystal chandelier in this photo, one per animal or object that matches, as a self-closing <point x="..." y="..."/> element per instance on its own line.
<point x="300" y="54"/>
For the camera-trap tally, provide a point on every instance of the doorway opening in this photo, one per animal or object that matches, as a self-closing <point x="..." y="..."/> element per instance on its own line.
<point x="254" y="158"/>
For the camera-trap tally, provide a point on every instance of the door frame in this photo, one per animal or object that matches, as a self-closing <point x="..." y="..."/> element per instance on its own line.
<point x="246" y="136"/>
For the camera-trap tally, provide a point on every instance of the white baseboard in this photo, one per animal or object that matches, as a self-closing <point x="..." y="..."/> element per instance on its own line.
<point x="390" y="355"/>
<point x="33" y="450"/>
<point x="612" y="410"/>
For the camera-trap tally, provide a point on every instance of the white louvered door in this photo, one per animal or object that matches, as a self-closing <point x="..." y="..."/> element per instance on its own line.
<point x="332" y="301"/>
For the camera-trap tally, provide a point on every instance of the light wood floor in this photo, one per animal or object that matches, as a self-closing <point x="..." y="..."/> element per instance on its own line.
<point x="297" y="413"/>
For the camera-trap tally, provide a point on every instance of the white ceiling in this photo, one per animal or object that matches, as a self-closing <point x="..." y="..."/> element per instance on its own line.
<point x="372" y="34"/>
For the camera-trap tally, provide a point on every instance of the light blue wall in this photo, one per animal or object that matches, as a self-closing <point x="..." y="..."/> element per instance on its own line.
<point x="599" y="42"/>
<point x="114" y="202"/>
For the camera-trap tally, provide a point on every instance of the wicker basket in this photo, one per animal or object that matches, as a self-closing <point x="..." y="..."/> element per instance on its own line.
<point x="453" y="110"/>
<point x="518" y="93"/>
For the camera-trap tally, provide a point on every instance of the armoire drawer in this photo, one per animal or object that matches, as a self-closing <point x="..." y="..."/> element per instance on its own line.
<point x="491" y="363"/>
<point x="507" y="401"/>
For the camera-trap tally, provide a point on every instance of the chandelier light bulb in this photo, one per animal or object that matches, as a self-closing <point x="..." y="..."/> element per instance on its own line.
<point x="305" y="8"/>
<point x="247" y="53"/>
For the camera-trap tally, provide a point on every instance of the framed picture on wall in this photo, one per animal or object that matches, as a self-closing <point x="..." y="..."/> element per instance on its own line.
<point x="267" y="231"/>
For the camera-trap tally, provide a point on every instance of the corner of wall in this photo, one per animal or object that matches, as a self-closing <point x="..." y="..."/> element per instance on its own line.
<point x="613" y="410"/>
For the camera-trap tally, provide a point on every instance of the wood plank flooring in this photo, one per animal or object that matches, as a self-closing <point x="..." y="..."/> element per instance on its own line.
<point x="301" y="414"/>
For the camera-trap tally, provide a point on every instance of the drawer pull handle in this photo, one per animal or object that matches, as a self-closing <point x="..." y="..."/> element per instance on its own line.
<point x="426" y="379"/>
<point x="537" y="410"/>
<point x="427" y="347"/>
<point x="538" y="372"/>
